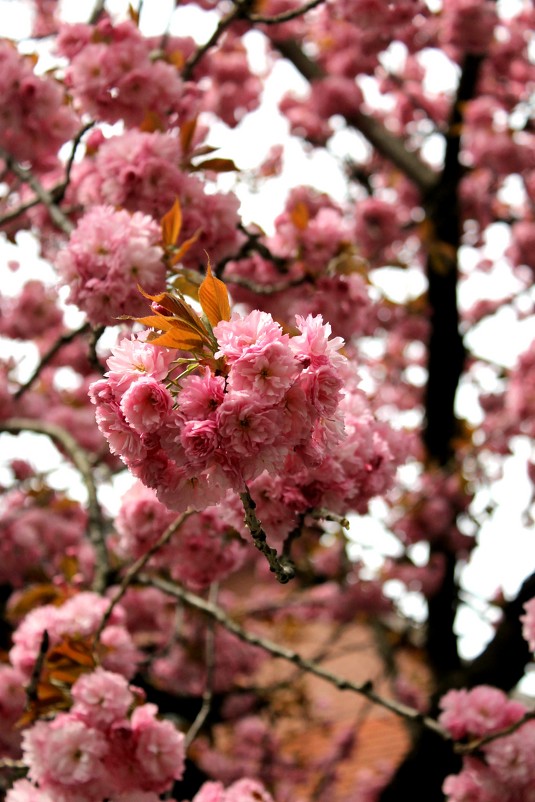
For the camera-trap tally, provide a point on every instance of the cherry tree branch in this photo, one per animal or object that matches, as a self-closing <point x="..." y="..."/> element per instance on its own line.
<point x="47" y="357"/>
<point x="207" y="695"/>
<point x="82" y="463"/>
<point x="57" y="192"/>
<point x="388" y="145"/>
<point x="365" y="689"/>
<point x="239" y="11"/>
<point x="57" y="216"/>
<point x="281" y="566"/>
<point x="138" y="566"/>
<point x="285" y="16"/>
<point x="474" y="746"/>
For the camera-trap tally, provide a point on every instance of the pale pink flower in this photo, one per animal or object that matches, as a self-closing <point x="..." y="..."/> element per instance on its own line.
<point x="159" y="749"/>
<point x="101" y="698"/>
<point x="314" y="346"/>
<point x="64" y="751"/>
<point x="24" y="791"/>
<point x="200" y="395"/>
<point x="200" y="440"/>
<point x="145" y="404"/>
<point x="265" y="373"/>
<point x="134" y="357"/>
<point x="109" y="254"/>
<point x="236" y="336"/>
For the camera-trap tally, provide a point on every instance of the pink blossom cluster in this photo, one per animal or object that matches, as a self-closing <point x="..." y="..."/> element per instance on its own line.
<point x="211" y="432"/>
<point x="78" y="617"/>
<point x="205" y="549"/>
<point x="109" y="254"/>
<point x="40" y="529"/>
<point x="234" y="90"/>
<point x="35" y="119"/>
<point x="107" y="746"/>
<point x="115" y="73"/>
<point x="33" y="314"/>
<point x="504" y="771"/>
<point x="124" y="171"/>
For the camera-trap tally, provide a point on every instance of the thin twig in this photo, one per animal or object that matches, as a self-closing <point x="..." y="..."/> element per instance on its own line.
<point x="138" y="566"/>
<point x="208" y="693"/>
<point x="475" y="746"/>
<point x="364" y="689"/>
<point x="97" y="12"/>
<point x="81" y="461"/>
<point x="265" y="289"/>
<point x="239" y="11"/>
<point x="386" y="143"/>
<point x="45" y="197"/>
<point x="57" y="192"/>
<point x="282" y="567"/>
<point x="31" y="689"/>
<point x="285" y="16"/>
<point x="47" y="357"/>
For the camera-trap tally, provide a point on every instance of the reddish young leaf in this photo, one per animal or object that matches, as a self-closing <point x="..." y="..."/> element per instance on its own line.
<point x="171" y="224"/>
<point x="214" y="299"/>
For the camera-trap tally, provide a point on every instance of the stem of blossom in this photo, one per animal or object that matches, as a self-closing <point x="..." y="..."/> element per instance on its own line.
<point x="59" y="219"/>
<point x="65" y="339"/>
<point x="474" y="746"/>
<point x="136" y="567"/>
<point x="285" y="16"/>
<point x="239" y="11"/>
<point x="82" y="463"/>
<point x="387" y="144"/>
<point x="364" y="689"/>
<point x="31" y="689"/>
<point x="282" y="567"/>
<point x="57" y="192"/>
<point x="210" y="666"/>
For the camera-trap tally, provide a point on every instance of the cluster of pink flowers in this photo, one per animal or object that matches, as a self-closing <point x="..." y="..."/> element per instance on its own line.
<point x="106" y="746"/>
<point x="40" y="529"/>
<point x="113" y="75"/>
<point x="78" y="617"/>
<point x="124" y="171"/>
<point x="205" y="549"/>
<point x="108" y="255"/>
<point x="33" y="314"/>
<point x="34" y="119"/>
<point x="505" y="771"/>
<point x="211" y="432"/>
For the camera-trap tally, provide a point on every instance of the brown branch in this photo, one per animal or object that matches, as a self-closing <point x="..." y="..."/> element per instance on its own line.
<point x="207" y="695"/>
<point x="239" y="11"/>
<point x="81" y="461"/>
<point x="57" y="192"/>
<point x="388" y="145"/>
<point x="47" y="357"/>
<point x="97" y="12"/>
<point x="285" y="16"/>
<point x="60" y="220"/>
<point x="282" y="567"/>
<point x="475" y="746"/>
<point x="138" y="566"/>
<point x="276" y="650"/>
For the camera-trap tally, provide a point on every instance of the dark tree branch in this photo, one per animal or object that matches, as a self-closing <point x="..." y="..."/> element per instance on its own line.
<point x="365" y="689"/>
<point x="388" y="145"/>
